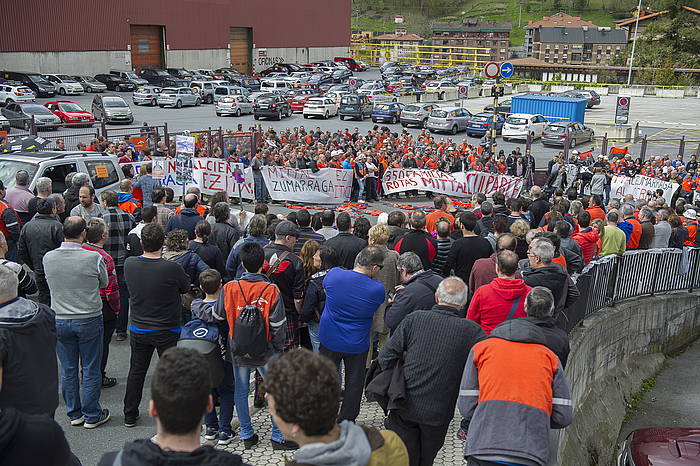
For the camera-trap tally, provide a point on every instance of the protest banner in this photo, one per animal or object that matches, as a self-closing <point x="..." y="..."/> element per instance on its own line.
<point x="458" y="184"/>
<point x="184" y="153"/>
<point x="158" y="165"/>
<point x="639" y="186"/>
<point x="326" y="186"/>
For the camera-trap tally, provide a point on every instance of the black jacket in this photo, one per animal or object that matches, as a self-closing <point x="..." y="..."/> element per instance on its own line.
<point x="32" y="439"/>
<point x="224" y="236"/>
<point x="422" y="243"/>
<point x="40" y="235"/>
<point x="147" y="453"/>
<point x="346" y="246"/>
<point x="395" y="234"/>
<point x="555" y="278"/>
<point x="556" y="338"/>
<point x="537" y="209"/>
<point x="418" y="293"/>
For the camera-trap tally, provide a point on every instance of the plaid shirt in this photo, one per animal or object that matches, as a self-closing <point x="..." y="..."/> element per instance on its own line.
<point x="109" y="293"/>
<point x="164" y="214"/>
<point x="119" y="224"/>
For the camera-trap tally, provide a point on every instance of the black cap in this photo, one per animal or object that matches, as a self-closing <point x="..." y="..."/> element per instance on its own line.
<point x="285" y="227"/>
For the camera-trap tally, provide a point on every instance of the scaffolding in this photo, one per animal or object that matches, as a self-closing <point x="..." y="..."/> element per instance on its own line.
<point x="421" y="55"/>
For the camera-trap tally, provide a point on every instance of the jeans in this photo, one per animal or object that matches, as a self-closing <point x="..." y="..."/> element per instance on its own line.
<point x="259" y="186"/>
<point x="142" y="346"/>
<point x="109" y="326"/>
<point x="241" y="377"/>
<point x="371" y="184"/>
<point x="79" y="345"/>
<point x="354" y="380"/>
<point x="313" y="335"/>
<point x="123" y="317"/>
<point x="361" y="188"/>
<point x="225" y="394"/>
<point x="422" y="441"/>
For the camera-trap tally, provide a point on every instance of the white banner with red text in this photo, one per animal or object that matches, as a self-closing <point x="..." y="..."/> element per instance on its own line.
<point x="639" y="186"/>
<point x="326" y="186"/>
<point x="460" y="184"/>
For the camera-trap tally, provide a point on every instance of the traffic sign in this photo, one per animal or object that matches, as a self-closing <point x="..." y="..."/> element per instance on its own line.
<point x="462" y="90"/>
<point x="622" y="110"/>
<point x="491" y="69"/>
<point x="353" y="82"/>
<point x="507" y="69"/>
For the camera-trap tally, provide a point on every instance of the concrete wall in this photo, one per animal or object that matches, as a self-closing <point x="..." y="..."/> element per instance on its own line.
<point x="73" y="63"/>
<point x="265" y="57"/>
<point x="197" y="59"/>
<point x="614" y="350"/>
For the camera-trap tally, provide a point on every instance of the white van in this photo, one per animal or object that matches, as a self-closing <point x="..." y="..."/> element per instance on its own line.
<point x="270" y="85"/>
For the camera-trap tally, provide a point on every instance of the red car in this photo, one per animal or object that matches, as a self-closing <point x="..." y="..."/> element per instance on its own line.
<point x="298" y="101"/>
<point x="70" y="113"/>
<point x="351" y="63"/>
<point x="661" y="446"/>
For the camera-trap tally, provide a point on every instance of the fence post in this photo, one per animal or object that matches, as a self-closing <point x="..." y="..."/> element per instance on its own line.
<point x="32" y="129"/>
<point x="643" y="150"/>
<point x="103" y="127"/>
<point x="528" y="143"/>
<point x="166" y="135"/>
<point x="567" y="147"/>
<point x="656" y="267"/>
<point x="604" y="145"/>
<point x="681" y="146"/>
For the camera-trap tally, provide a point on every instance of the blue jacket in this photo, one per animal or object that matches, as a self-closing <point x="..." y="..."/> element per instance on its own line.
<point x="186" y="220"/>
<point x="190" y="262"/>
<point x="234" y="267"/>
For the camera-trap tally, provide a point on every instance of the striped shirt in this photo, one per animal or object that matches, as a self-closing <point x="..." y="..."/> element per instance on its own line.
<point x="26" y="283"/>
<point x="109" y="293"/>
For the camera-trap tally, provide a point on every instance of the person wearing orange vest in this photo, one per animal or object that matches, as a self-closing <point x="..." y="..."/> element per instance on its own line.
<point x="201" y="210"/>
<point x="127" y="203"/>
<point x="10" y="226"/>
<point x="636" y="233"/>
<point x="691" y="225"/>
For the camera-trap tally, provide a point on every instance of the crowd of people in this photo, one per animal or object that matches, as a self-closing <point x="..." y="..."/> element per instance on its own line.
<point x="439" y="299"/>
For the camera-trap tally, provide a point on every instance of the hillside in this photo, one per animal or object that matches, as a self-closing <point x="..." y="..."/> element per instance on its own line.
<point x="378" y="15"/>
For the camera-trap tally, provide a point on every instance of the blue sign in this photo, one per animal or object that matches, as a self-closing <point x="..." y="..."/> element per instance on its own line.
<point x="507" y="69"/>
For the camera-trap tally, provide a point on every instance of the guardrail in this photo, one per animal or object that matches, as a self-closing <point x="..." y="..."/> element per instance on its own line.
<point x="606" y="281"/>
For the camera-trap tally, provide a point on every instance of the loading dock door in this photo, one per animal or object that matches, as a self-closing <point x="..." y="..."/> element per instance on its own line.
<point x="241" y="49"/>
<point x="147" y="47"/>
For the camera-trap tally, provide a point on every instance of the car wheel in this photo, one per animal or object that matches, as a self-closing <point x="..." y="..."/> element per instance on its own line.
<point x="154" y="102"/>
<point x="178" y="104"/>
<point x="209" y="99"/>
<point x="88" y="90"/>
<point x="255" y="117"/>
<point x="425" y="122"/>
<point x="374" y="120"/>
<point x="27" y="126"/>
<point x="279" y="115"/>
<point x="325" y="115"/>
<point x="342" y="117"/>
<point x="405" y="125"/>
<point x="197" y="102"/>
<point x="394" y="100"/>
<point x="8" y="102"/>
<point x="394" y="120"/>
<point x="218" y="114"/>
<point x="454" y="129"/>
<point x="238" y="112"/>
<point x="532" y="135"/>
<point x="161" y="106"/>
<point x="306" y="116"/>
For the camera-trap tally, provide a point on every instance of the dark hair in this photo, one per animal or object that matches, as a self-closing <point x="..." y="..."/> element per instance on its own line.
<point x="596" y="199"/>
<point x="271" y="227"/>
<point x="306" y="390"/>
<point x="148" y="213"/>
<point x="316" y="223"/>
<point x="152" y="237"/>
<point x="73" y="226"/>
<point x="219" y="196"/>
<point x="613" y="217"/>
<point x="498" y="198"/>
<point x="563" y="228"/>
<point x="252" y="256"/>
<point x="552" y="238"/>
<point x="292" y="217"/>
<point x="110" y="198"/>
<point x="45" y="205"/>
<point x="361" y="228"/>
<point x="203" y="230"/>
<point x="158" y="195"/>
<point x="221" y="212"/>
<point x="329" y="258"/>
<point x="396" y="219"/>
<point x="210" y="281"/>
<point x="180" y="390"/>
<point x="500" y="223"/>
<point x="584" y="219"/>
<point x="507" y="262"/>
<point x="95" y="228"/>
<point x="327" y="218"/>
<point x="169" y="194"/>
<point x="261" y="208"/>
<point x="343" y="221"/>
<point x="468" y="220"/>
<point x="303" y="218"/>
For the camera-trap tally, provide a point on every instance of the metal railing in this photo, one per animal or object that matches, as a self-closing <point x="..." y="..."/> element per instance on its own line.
<point x="438" y="56"/>
<point x="609" y="280"/>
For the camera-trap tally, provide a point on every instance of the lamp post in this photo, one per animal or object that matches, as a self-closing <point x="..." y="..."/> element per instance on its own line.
<point x="634" y="42"/>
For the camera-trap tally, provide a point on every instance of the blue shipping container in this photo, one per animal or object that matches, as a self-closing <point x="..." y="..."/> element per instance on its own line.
<point x="552" y="107"/>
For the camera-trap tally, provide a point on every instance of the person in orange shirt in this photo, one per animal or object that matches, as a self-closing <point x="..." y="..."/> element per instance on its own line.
<point x="443" y="204"/>
<point x="201" y="210"/>
<point x="628" y="212"/>
<point x="691" y="225"/>
<point x="127" y="202"/>
<point x="595" y="210"/>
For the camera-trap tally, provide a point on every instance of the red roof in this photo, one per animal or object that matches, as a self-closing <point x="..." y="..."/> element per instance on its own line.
<point x="413" y="37"/>
<point x="560" y="19"/>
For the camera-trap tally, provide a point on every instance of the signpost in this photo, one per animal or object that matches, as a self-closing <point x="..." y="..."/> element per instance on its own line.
<point x="491" y="69"/>
<point x="462" y="91"/>
<point x="353" y="82"/>
<point x="495" y="71"/>
<point x="506" y="69"/>
<point x="622" y="110"/>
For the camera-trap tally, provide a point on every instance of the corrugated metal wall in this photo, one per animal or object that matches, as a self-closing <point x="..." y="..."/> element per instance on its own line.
<point x="553" y="108"/>
<point x="81" y="25"/>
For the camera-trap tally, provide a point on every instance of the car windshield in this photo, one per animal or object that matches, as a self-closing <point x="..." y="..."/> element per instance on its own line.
<point x="412" y="108"/>
<point x="130" y="75"/>
<point x="250" y="81"/>
<point x="65" y="78"/>
<point x="383" y="107"/>
<point x="71" y="107"/>
<point x="438" y="114"/>
<point x="315" y="101"/>
<point x="481" y="119"/>
<point x="114" y="102"/>
<point x="516" y="121"/>
<point x="169" y="90"/>
<point x="34" y="109"/>
<point x="350" y="99"/>
<point x="9" y="168"/>
<point x="161" y="73"/>
<point x="556" y="129"/>
<point x="37" y="79"/>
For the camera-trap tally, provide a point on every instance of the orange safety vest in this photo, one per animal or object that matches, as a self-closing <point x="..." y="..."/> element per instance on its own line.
<point x="3" y="228"/>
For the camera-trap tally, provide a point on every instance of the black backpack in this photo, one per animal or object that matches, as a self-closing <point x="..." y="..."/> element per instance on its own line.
<point x="249" y="337"/>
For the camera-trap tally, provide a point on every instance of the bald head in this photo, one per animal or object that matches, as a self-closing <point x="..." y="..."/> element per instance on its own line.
<point x="190" y="201"/>
<point x="451" y="292"/>
<point x="125" y="185"/>
<point x="535" y="192"/>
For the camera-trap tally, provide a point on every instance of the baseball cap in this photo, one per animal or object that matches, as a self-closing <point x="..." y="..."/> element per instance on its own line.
<point x="285" y="227"/>
<point x="690" y="214"/>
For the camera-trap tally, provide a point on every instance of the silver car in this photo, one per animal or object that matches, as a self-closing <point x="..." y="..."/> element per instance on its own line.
<point x="112" y="109"/>
<point x="449" y="119"/>
<point x="556" y="134"/>
<point x="233" y="105"/>
<point x="20" y="115"/>
<point x="90" y="84"/>
<point x="146" y="95"/>
<point x="416" y="114"/>
<point x="177" y="97"/>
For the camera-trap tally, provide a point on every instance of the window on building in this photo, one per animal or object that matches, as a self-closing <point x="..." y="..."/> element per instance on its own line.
<point x="503" y="50"/>
<point x="566" y="47"/>
<point x="556" y="46"/>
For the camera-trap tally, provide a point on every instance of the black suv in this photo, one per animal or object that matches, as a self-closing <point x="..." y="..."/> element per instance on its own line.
<point x="115" y="83"/>
<point x="156" y="77"/>
<point x="272" y="107"/>
<point x="34" y="81"/>
<point x="179" y="73"/>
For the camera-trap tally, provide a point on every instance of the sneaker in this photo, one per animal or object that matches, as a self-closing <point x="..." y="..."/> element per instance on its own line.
<point x="108" y="382"/>
<point x="225" y="438"/>
<point x="211" y="433"/>
<point x="77" y="422"/>
<point x="250" y="442"/>
<point x="130" y="421"/>
<point x="287" y="445"/>
<point x="120" y="337"/>
<point x="104" y="417"/>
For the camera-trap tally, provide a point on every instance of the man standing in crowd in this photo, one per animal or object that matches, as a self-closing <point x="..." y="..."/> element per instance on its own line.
<point x="614" y="239"/>
<point x="595" y="208"/>
<point x="634" y="228"/>
<point x="397" y="222"/>
<point x="260" y="189"/>
<point x="442" y="205"/>
<point x="155" y="287"/>
<point x="19" y="195"/>
<point x="119" y="224"/>
<point x="662" y="230"/>
<point x="127" y="201"/>
<point x="444" y="244"/>
<point x="71" y="194"/>
<point x="327" y="221"/>
<point x="306" y="233"/>
<point x="87" y="208"/>
<point x="75" y="276"/>
<point x="95" y="237"/>
<point x="180" y="397"/>
<point x="502" y="299"/>
<point x="145" y="181"/>
<point x="418" y="240"/>
<point x="256" y="234"/>
<point x="253" y="288"/>
<point x="568" y="247"/>
<point x="347" y="319"/>
<point x="10" y="225"/>
<point x="587" y="237"/>
<point x="433" y="345"/>
<point x="543" y="272"/>
<point x="164" y="213"/>
<point x="188" y="217"/>
<point x="26" y="285"/>
<point x="468" y="249"/>
<point x="417" y="291"/>
<point x="43" y="188"/>
<point x="646" y="217"/>
<point x="286" y="270"/>
<point x="40" y="235"/>
<point x="346" y="245"/>
<point x="539" y="307"/>
<point x="484" y="269"/>
<point x="149" y="214"/>
<point x="529" y="410"/>
<point x="538" y="207"/>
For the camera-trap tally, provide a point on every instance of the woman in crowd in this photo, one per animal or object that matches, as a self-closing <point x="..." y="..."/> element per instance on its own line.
<point x="324" y="259"/>
<point x="210" y="253"/>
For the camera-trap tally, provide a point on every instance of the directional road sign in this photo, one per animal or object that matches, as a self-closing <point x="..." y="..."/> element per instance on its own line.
<point x="507" y="69"/>
<point x="491" y="69"/>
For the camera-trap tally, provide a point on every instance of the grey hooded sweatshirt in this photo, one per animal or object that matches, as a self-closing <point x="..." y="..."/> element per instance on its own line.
<point x="351" y="449"/>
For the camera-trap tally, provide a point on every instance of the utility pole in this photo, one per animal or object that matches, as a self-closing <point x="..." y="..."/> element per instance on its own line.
<point x="634" y="42"/>
<point x="495" y="90"/>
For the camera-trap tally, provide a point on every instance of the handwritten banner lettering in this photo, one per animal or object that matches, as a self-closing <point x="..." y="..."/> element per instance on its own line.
<point x="458" y="184"/>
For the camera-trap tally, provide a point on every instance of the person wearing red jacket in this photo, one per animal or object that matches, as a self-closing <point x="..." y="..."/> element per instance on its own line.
<point x="586" y="237"/>
<point x="502" y="299"/>
<point x="595" y="208"/>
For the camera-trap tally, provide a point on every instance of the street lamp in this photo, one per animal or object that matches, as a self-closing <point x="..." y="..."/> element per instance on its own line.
<point x="634" y="41"/>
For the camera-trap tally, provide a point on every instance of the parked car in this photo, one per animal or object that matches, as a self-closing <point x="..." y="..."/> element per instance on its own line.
<point x="449" y="119"/>
<point x="211" y="73"/>
<point x="273" y="106"/>
<point x="519" y="125"/>
<point x="64" y="84"/>
<point x="205" y="89"/>
<point x="155" y="77"/>
<point x="320" y="106"/>
<point x="387" y="112"/>
<point x="146" y="95"/>
<point x="281" y="68"/>
<point x="233" y="105"/>
<point x="341" y="75"/>
<point x="4" y="124"/>
<point x="298" y="101"/>
<point x="416" y="114"/>
<point x="252" y="84"/>
<point x="336" y="96"/>
<point x="321" y="78"/>
<point x="480" y="124"/>
<point x="70" y="113"/>
<point x="228" y="90"/>
<point x="592" y="97"/>
<point x="177" y="97"/>
<point x="112" y="109"/>
<point x="503" y="107"/>
<point x="556" y="134"/>
<point x="274" y="84"/>
<point x="129" y="76"/>
<point x="660" y="446"/>
<point x="90" y="84"/>
<point x="179" y="73"/>
<point x="115" y="83"/>
<point x="351" y="63"/>
<point x="20" y="116"/>
<point x="356" y="106"/>
<point x="34" y="81"/>
<point x="11" y="91"/>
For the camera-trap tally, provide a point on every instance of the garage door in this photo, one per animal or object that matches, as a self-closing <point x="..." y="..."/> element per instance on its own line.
<point x="146" y="47"/>
<point x="241" y="49"/>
